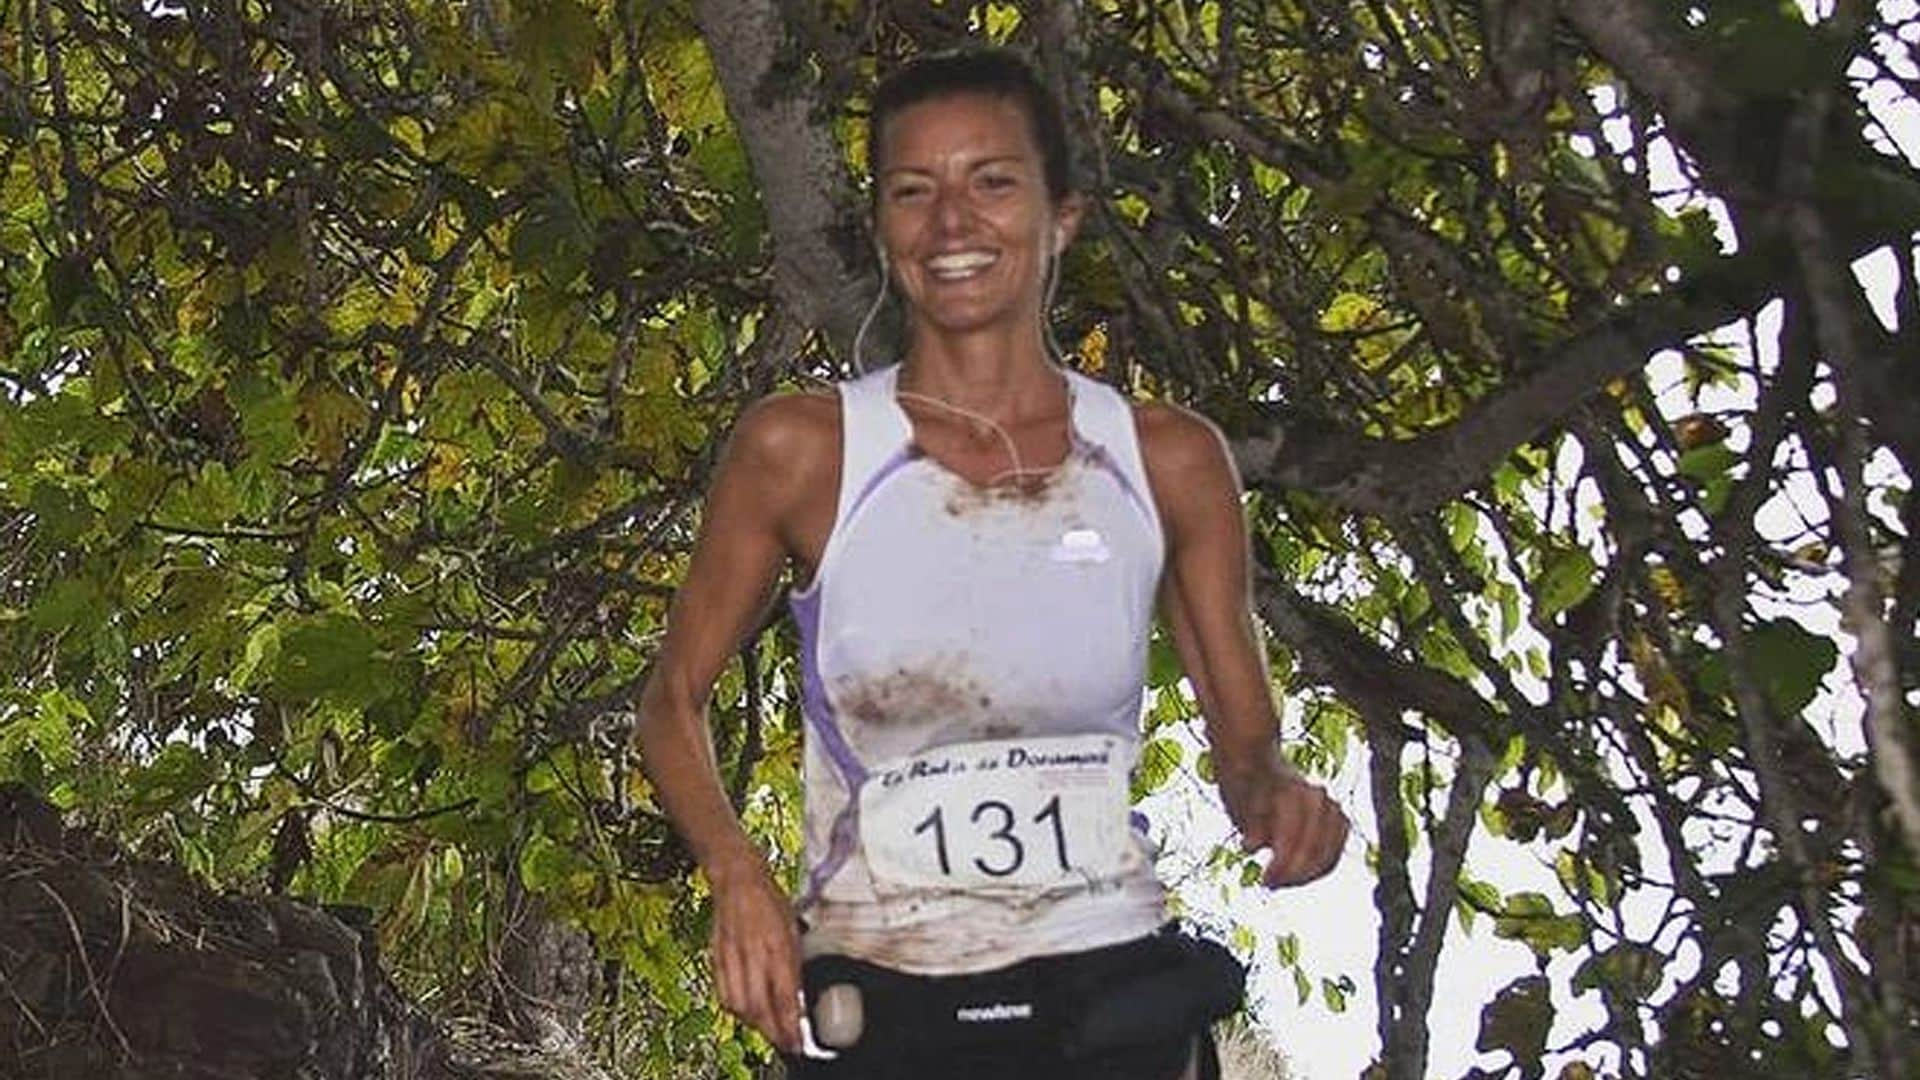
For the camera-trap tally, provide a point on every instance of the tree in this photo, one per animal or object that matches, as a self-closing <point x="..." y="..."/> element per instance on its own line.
<point x="362" y="364"/>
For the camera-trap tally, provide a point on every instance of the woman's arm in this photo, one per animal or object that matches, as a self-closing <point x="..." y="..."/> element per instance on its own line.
<point x="1206" y="598"/>
<point x="772" y="463"/>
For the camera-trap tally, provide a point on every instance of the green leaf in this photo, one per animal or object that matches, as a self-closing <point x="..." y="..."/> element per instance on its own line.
<point x="191" y="598"/>
<point x="1630" y="970"/>
<point x="1159" y="759"/>
<point x="1711" y="467"/>
<point x="263" y="647"/>
<point x="1566" y="578"/>
<point x="52" y="730"/>
<point x="546" y="865"/>
<point x="65" y="515"/>
<point x="1336" y="991"/>
<point x="1792" y="660"/>
<point x="176" y="776"/>
<point x="680" y="70"/>
<point x="68" y="280"/>
<point x="552" y="239"/>
<point x="1476" y="897"/>
<point x="268" y="416"/>
<point x="1163" y="662"/>
<point x="558" y="39"/>
<point x="328" y="658"/>
<point x="1789" y="661"/>
<point x="68" y="604"/>
<point x="1689" y="239"/>
<point x="1529" y="917"/>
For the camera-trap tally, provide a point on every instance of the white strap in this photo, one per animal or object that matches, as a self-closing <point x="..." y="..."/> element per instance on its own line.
<point x="872" y="431"/>
<point x="1105" y="417"/>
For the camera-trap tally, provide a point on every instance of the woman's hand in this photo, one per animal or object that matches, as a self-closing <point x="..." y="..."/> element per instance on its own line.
<point x="1275" y="807"/>
<point x="756" y="952"/>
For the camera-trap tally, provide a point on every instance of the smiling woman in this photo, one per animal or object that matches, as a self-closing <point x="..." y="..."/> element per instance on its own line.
<point x="985" y="537"/>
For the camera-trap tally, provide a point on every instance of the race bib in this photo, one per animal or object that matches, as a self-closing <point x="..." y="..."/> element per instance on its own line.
<point x="1027" y="813"/>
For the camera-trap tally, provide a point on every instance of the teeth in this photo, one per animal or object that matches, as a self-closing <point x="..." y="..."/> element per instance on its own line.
<point x="960" y="264"/>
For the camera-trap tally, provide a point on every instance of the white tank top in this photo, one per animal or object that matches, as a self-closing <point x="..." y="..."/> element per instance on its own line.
<point x="944" y="614"/>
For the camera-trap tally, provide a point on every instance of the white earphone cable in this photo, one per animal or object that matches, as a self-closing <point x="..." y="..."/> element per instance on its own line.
<point x="1019" y="468"/>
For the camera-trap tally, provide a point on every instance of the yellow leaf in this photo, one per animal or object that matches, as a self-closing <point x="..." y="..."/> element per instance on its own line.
<point x="444" y="467"/>
<point x="328" y="414"/>
<point x="1350" y="311"/>
<point x="656" y="368"/>
<point x="1666" y="585"/>
<point x="215" y="289"/>
<point x="1665" y="692"/>
<point x="1093" y="351"/>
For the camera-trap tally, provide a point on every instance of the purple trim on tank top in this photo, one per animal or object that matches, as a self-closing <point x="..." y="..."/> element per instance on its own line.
<point x="901" y="459"/>
<point x="819" y="714"/>
<point x="1098" y="455"/>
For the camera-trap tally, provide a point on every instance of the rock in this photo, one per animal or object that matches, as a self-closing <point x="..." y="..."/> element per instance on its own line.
<point x="117" y="968"/>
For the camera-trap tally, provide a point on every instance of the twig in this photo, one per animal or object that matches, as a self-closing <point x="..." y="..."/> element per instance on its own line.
<point x="25" y="1009"/>
<point x="93" y="981"/>
<point x="321" y="802"/>
<point x="397" y="819"/>
<point x="220" y="534"/>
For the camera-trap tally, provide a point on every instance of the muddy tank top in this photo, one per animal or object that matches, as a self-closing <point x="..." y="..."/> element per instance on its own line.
<point x="950" y="624"/>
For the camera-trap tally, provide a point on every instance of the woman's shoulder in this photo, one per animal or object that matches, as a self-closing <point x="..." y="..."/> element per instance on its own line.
<point x="790" y="426"/>
<point x="1174" y="438"/>
<point x="1189" y="466"/>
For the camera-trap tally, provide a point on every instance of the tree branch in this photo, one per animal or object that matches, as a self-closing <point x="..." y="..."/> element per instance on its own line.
<point x="803" y="180"/>
<point x="1397" y="1024"/>
<point x="1639" y="40"/>
<point x="1360" y="671"/>
<point x="1450" y="839"/>
<point x="1839" y="325"/>
<point x="1398" y="478"/>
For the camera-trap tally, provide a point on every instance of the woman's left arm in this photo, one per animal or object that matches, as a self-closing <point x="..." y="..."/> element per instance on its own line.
<point x="1205" y="596"/>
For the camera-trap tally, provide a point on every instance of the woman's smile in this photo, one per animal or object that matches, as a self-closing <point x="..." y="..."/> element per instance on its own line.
<point x="960" y="265"/>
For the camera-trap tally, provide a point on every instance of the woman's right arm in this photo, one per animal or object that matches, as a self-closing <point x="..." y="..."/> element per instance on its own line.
<point x="772" y="462"/>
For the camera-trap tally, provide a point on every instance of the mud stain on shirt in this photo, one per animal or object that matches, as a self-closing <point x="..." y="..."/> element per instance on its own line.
<point x="965" y="499"/>
<point x="910" y="695"/>
<point x="914" y="925"/>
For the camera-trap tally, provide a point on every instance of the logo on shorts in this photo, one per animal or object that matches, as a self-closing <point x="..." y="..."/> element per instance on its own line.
<point x="997" y="1013"/>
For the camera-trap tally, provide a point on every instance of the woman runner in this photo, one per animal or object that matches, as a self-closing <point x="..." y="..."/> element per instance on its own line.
<point x="984" y="538"/>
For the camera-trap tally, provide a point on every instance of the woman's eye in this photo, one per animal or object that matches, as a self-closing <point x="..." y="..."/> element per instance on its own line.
<point x="906" y="192"/>
<point x="998" y="181"/>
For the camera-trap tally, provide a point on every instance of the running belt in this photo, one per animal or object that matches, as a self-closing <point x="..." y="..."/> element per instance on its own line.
<point x="942" y="615"/>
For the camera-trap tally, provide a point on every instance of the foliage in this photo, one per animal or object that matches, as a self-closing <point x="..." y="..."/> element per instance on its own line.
<point x="362" y="363"/>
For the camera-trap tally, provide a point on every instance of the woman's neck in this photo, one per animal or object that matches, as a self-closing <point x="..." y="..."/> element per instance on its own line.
<point x="1005" y="380"/>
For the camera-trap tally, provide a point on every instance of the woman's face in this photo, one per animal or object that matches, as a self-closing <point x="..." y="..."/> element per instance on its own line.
<point x="963" y="212"/>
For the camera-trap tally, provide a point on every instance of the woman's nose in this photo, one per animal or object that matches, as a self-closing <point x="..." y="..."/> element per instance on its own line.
<point x="951" y="211"/>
